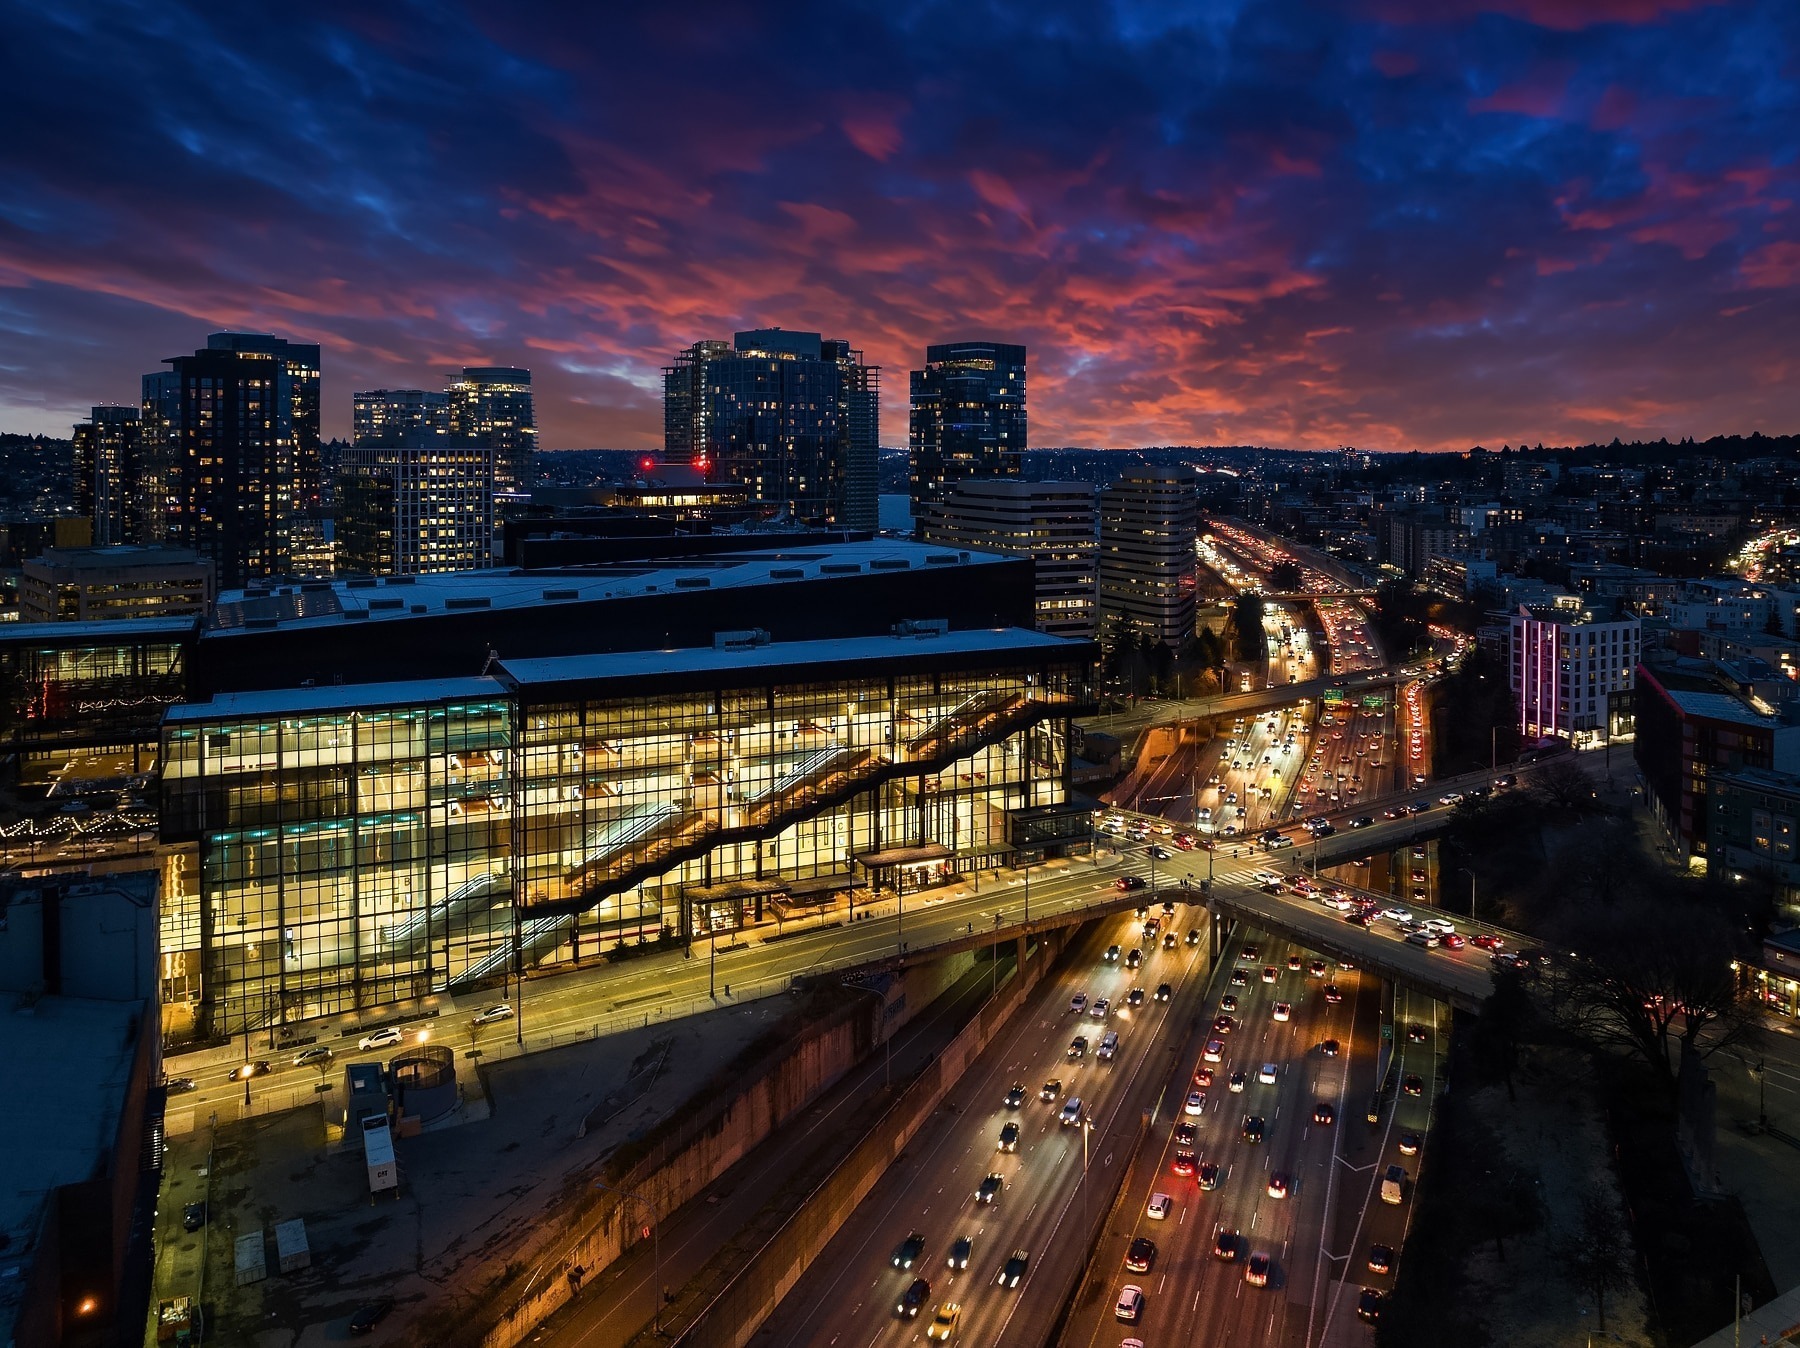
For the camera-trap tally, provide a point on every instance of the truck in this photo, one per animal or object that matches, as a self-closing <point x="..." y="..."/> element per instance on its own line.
<point x="175" y="1321"/>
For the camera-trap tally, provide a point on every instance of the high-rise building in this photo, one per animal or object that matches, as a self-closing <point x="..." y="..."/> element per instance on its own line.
<point x="791" y="417"/>
<point x="407" y="510"/>
<point x="1050" y="522"/>
<point x="158" y="411"/>
<point x="110" y="483"/>
<point x="243" y="419"/>
<point x="1149" y="520"/>
<point x="491" y="407"/>
<point x="968" y="417"/>
<point x="400" y="416"/>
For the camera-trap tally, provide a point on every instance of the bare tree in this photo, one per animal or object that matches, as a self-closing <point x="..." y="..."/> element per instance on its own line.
<point x="1597" y="1253"/>
<point x="1651" y="973"/>
<point x="1564" y="786"/>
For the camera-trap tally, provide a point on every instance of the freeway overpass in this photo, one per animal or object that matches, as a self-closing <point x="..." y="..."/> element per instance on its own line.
<point x="1160" y="712"/>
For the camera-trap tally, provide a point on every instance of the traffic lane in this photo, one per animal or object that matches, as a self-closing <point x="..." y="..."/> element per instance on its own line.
<point x="1186" y="1272"/>
<point x="1042" y="1178"/>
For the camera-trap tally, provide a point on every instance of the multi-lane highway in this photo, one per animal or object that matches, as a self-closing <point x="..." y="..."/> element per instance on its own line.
<point x="1260" y="1238"/>
<point x="853" y="1293"/>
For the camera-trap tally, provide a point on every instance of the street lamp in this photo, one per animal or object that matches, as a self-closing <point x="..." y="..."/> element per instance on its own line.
<point x="1464" y="870"/>
<point x="655" y="1249"/>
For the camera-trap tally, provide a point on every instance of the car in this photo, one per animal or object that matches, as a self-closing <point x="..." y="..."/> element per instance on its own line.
<point x="1415" y="1033"/>
<point x="1214" y="1051"/>
<point x="1411" y="1084"/>
<point x="1125" y="884"/>
<point x="1015" y="1096"/>
<point x="1393" y="811"/>
<point x="1203" y="1076"/>
<point x="1283" y="1011"/>
<point x="1235" y="1083"/>
<point x="1169" y="940"/>
<point x="943" y="1324"/>
<point x="913" y="1299"/>
<point x="1164" y="992"/>
<point x="1368" y="1306"/>
<point x="1417" y="806"/>
<point x="193" y="1216"/>
<point x="1422" y="938"/>
<point x="1013" y="1270"/>
<point x="1071" y="1111"/>
<point x="959" y="1253"/>
<point x="1253" y="1128"/>
<point x="1293" y="964"/>
<point x="1140" y="1255"/>
<point x="312" y="1056"/>
<point x="1130" y="1305"/>
<point x="1134" y="998"/>
<point x="365" y="1317"/>
<point x="1316" y="968"/>
<point x="383" y="1038"/>
<point x="1009" y="1137"/>
<point x="1333" y="994"/>
<point x="248" y="1070"/>
<point x="1112" y="954"/>
<point x="1409" y="1144"/>
<point x="1239" y="979"/>
<point x="1078" y="1003"/>
<point x="180" y="1085"/>
<point x="1278" y="1185"/>
<point x="1050" y="1089"/>
<point x="1324" y="1112"/>
<point x="1451" y="941"/>
<point x="1223" y="1024"/>
<point x="1185" y="1133"/>
<point x="1397" y="914"/>
<point x="1134" y="958"/>
<point x="1196" y="1101"/>
<point x="1209" y="1175"/>
<point x="1225" y="1244"/>
<point x="1078" y="1047"/>
<point x="1269" y="973"/>
<point x="1184" y="1164"/>
<point x="1250" y="954"/>
<point x="489" y="1014"/>
<point x="1193" y="936"/>
<point x="909" y="1251"/>
<point x="1487" y="942"/>
<point x="1101" y="1008"/>
<point x="1267" y="1074"/>
<point x="1451" y="798"/>
<point x="1381" y="1258"/>
<point x="1228" y="1002"/>
<point x="989" y="1189"/>
<point x="1158" y="1207"/>
<point x="1159" y="852"/>
<point x="1256" y="1271"/>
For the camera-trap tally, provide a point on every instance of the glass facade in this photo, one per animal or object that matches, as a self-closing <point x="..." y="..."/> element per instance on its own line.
<point x="338" y="857"/>
<point x="341" y="857"/>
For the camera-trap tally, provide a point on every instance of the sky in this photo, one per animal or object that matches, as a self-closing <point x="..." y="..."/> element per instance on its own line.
<point x="1395" y="224"/>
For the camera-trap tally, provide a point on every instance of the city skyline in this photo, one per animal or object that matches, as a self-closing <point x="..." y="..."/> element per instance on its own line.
<point x="1385" y="223"/>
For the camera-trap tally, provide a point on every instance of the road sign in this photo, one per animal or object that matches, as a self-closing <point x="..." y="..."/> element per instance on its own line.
<point x="1387" y="1033"/>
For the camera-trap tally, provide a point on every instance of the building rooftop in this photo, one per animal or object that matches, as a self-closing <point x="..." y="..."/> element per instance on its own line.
<point x="101" y="631"/>
<point x="315" y="604"/>
<point x="335" y="698"/>
<point x="118" y="555"/>
<point x="875" y="651"/>
<point x="72" y="1057"/>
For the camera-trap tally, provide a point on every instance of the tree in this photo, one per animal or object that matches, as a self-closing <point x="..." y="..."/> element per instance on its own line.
<point x="1285" y="577"/>
<point x="1247" y="619"/>
<point x="1651" y="973"/>
<point x="1597" y="1253"/>
<point x="1562" y="785"/>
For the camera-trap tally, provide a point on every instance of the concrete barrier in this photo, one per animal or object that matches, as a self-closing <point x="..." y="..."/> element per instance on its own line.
<point x="733" y="1316"/>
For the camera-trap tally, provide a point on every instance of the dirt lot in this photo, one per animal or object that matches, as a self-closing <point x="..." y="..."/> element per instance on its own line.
<point x="468" y="1193"/>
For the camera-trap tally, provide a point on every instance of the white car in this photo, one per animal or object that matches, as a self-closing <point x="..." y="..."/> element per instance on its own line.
<point x="1159" y="1207"/>
<point x="1196" y="1102"/>
<point x="1438" y="924"/>
<point x="1130" y="1304"/>
<point x="1397" y="914"/>
<point x="489" y="1014"/>
<point x="1283" y="1011"/>
<point x="1267" y="1074"/>
<point x="381" y="1038"/>
<point x="1078" y="1003"/>
<point x="1100" y="1008"/>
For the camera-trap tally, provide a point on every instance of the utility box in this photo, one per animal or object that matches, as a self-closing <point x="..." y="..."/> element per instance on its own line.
<point x="378" y="1151"/>
<point x="291" y="1251"/>
<point x="252" y="1263"/>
